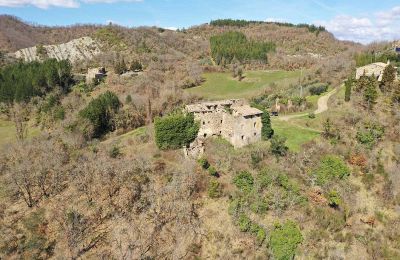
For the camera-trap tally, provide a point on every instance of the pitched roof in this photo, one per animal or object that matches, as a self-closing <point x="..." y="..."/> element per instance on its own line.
<point x="247" y="110"/>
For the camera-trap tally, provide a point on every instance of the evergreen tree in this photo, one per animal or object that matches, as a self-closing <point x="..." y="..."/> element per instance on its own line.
<point x="348" y="85"/>
<point x="371" y="93"/>
<point x="388" y="77"/>
<point x="266" y="131"/>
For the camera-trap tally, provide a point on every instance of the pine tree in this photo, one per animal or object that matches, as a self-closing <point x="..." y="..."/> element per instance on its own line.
<point x="348" y="84"/>
<point x="266" y="131"/>
<point x="371" y="93"/>
<point x="388" y="77"/>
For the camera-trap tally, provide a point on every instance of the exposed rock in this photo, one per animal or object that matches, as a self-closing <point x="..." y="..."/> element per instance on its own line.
<point x="84" y="48"/>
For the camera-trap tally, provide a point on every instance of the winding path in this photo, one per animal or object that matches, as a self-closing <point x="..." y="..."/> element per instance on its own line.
<point x="322" y="106"/>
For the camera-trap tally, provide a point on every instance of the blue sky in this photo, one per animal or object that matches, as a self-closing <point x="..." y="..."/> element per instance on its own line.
<point x="363" y="21"/>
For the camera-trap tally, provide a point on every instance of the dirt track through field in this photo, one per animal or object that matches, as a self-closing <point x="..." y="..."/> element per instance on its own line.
<point x="322" y="107"/>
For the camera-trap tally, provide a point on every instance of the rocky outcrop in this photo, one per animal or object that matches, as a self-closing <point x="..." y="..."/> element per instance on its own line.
<point x="84" y="48"/>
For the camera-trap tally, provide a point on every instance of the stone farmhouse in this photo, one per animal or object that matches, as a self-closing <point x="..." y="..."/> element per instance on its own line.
<point x="375" y="69"/>
<point x="233" y="120"/>
<point x="95" y="74"/>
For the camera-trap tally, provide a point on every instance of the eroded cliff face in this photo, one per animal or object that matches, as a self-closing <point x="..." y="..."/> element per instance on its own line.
<point x="84" y="48"/>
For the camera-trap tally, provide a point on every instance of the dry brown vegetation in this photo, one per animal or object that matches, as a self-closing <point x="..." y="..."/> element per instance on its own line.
<point x="65" y="195"/>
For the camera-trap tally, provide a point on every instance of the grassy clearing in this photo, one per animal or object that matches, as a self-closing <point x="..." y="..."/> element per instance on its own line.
<point x="296" y="135"/>
<point x="7" y="132"/>
<point x="222" y="86"/>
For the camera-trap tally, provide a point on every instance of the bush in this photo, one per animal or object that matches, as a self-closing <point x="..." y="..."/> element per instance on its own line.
<point x="370" y="134"/>
<point x="284" y="240"/>
<point x="175" y="131"/>
<point x="331" y="167"/>
<point x="136" y="66"/>
<point x="318" y="90"/>
<point x="114" y="152"/>
<point x="100" y="112"/>
<point x="244" y="181"/>
<point x="266" y="131"/>
<point x="334" y="199"/>
<point x="311" y="115"/>
<point x="278" y="146"/>
<point x="204" y="163"/>
<point x="212" y="171"/>
<point x="214" y="189"/>
<point x="244" y="223"/>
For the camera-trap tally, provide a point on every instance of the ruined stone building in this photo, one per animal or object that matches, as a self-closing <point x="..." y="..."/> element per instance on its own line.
<point x="375" y="69"/>
<point x="234" y="120"/>
<point x="95" y="74"/>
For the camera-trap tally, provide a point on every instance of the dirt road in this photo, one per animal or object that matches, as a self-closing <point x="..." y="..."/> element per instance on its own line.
<point x="322" y="107"/>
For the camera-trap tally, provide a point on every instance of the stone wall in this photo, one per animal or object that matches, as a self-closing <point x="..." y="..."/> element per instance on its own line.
<point x="233" y="120"/>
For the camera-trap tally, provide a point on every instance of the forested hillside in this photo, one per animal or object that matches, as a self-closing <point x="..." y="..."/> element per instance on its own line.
<point x="96" y="169"/>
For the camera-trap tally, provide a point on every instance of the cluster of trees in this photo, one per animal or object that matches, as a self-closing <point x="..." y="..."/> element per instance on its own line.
<point x="365" y="58"/>
<point x="120" y="67"/>
<point x="369" y="86"/>
<point x="233" y="22"/>
<point x="100" y="112"/>
<point x="22" y="81"/>
<point x="234" y="45"/>
<point x="175" y="131"/>
<point x="241" y="23"/>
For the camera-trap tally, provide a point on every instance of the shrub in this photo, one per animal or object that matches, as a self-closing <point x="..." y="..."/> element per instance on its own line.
<point x="114" y="152"/>
<point x="284" y="240"/>
<point x="136" y="66"/>
<point x="256" y="158"/>
<point x="100" y="112"/>
<point x="244" y="223"/>
<point x="214" y="189"/>
<point x="244" y="181"/>
<point x="175" y="131"/>
<point x="266" y="131"/>
<point x="259" y="205"/>
<point x="235" y="207"/>
<point x="128" y="99"/>
<point x="261" y="236"/>
<point x="204" y="163"/>
<point x="278" y="146"/>
<point x="212" y="171"/>
<point x="318" y="90"/>
<point x="311" y="115"/>
<point x="334" y="199"/>
<point x="331" y="167"/>
<point x="370" y="134"/>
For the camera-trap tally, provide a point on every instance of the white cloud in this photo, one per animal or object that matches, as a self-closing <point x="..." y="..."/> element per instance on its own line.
<point x="40" y="3"/>
<point x="377" y="27"/>
<point x="44" y="4"/>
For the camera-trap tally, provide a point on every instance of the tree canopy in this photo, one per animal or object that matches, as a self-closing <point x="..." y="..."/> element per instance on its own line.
<point x="22" y="81"/>
<point x="175" y="131"/>
<point x="234" y="45"/>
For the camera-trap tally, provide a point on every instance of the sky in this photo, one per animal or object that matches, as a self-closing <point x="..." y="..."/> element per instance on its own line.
<point x="363" y="21"/>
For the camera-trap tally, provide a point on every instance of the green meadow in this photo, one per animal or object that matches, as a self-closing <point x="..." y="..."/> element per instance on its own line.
<point x="221" y="85"/>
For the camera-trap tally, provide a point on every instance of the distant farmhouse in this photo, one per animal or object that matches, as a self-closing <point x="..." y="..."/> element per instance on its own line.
<point x="95" y="74"/>
<point x="375" y="69"/>
<point x="233" y="119"/>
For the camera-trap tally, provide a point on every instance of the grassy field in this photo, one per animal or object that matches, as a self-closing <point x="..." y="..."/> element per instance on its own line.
<point x="296" y="135"/>
<point x="7" y="132"/>
<point x="221" y="85"/>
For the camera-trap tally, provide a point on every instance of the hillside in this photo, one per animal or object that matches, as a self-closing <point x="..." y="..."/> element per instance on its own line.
<point x="99" y="169"/>
<point x="16" y="34"/>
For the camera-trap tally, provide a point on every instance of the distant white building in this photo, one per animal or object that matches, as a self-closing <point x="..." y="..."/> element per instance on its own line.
<point x="375" y="69"/>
